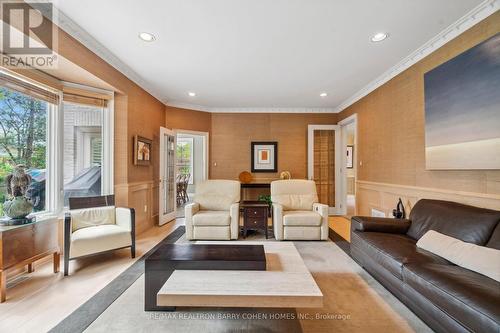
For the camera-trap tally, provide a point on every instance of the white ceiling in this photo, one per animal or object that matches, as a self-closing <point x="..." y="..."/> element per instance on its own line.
<point x="260" y="53"/>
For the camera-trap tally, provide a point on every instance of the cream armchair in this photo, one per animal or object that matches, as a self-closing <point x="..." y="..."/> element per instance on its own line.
<point x="296" y="213"/>
<point x="94" y="225"/>
<point x="215" y="213"/>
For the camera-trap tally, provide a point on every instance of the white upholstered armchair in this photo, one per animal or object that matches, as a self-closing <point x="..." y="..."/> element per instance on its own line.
<point x="215" y="212"/>
<point x="297" y="215"/>
<point x="94" y="225"/>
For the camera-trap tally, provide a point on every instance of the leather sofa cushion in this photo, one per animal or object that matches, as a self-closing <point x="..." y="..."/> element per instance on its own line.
<point x="217" y="194"/>
<point x="90" y="217"/>
<point x="470" y="224"/>
<point x="301" y="218"/>
<point x="97" y="239"/>
<point x="470" y="298"/>
<point x="214" y="218"/>
<point x="494" y="241"/>
<point x="296" y="194"/>
<point x="392" y="251"/>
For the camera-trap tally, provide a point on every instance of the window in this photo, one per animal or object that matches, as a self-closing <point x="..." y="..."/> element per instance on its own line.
<point x="23" y="141"/>
<point x="185" y="157"/>
<point x="64" y="139"/>
<point x="83" y="132"/>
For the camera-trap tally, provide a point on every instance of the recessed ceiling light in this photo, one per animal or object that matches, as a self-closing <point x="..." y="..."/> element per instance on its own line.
<point x="147" y="37"/>
<point x="323" y="94"/>
<point x="378" y="37"/>
<point x="192" y="94"/>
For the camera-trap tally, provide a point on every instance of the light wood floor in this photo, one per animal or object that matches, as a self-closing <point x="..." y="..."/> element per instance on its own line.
<point x="38" y="301"/>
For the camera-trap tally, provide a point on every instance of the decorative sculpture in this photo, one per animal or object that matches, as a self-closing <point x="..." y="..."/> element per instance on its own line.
<point x="18" y="207"/>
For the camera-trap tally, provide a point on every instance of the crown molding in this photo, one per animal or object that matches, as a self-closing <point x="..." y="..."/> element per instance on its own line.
<point x="74" y="30"/>
<point x="249" y="109"/>
<point x="476" y="15"/>
<point x="479" y="13"/>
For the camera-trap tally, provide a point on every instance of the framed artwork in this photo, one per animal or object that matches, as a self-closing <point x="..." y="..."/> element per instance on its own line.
<point x="264" y="156"/>
<point x="350" y="157"/>
<point x="462" y="110"/>
<point x="142" y="150"/>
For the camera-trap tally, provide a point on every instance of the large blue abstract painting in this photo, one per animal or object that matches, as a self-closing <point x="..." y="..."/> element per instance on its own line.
<point x="462" y="110"/>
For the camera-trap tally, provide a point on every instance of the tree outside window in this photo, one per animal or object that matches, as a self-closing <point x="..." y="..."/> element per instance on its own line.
<point x="185" y="157"/>
<point x="23" y="140"/>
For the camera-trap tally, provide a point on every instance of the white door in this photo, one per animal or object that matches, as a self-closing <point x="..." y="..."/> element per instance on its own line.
<point x="168" y="203"/>
<point x="323" y="164"/>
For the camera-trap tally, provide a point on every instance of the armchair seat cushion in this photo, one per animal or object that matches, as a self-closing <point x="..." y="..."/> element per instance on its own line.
<point x="302" y="218"/>
<point x="212" y="218"/>
<point x="97" y="239"/>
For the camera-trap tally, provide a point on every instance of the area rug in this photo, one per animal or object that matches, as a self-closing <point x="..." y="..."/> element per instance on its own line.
<point x="353" y="302"/>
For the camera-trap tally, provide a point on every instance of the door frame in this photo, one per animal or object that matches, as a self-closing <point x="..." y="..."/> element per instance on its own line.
<point x="164" y="218"/>
<point x="206" y="146"/>
<point x="352" y="119"/>
<point x="310" y="162"/>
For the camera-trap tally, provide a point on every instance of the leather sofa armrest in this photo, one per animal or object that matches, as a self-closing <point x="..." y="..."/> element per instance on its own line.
<point x="190" y="210"/>
<point x="380" y="224"/>
<point x="322" y="210"/>
<point x="124" y="217"/>
<point x="278" y="221"/>
<point x="234" y="213"/>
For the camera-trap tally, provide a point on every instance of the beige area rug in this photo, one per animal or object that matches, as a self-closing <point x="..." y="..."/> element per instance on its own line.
<point x="353" y="302"/>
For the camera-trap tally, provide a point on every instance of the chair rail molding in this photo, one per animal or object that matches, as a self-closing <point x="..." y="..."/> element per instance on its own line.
<point x="384" y="196"/>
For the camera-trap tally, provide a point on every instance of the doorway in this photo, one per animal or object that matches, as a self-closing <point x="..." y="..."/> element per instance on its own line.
<point x="324" y="160"/>
<point x="191" y="165"/>
<point x="348" y="128"/>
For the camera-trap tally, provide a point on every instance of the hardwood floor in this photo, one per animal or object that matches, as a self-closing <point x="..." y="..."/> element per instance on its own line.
<point x="37" y="301"/>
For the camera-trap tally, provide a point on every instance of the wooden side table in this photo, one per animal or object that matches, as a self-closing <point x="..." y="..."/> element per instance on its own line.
<point x="255" y="215"/>
<point x="22" y="245"/>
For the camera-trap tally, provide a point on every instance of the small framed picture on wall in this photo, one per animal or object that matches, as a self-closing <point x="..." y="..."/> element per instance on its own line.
<point x="350" y="157"/>
<point x="142" y="150"/>
<point x="264" y="156"/>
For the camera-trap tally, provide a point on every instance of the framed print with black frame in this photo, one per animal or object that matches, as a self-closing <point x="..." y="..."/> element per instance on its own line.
<point x="264" y="156"/>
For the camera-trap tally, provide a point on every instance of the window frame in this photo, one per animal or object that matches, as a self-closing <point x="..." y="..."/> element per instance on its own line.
<point x="107" y="121"/>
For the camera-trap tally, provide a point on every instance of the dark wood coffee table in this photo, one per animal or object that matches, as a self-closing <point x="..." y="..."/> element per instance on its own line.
<point x="169" y="257"/>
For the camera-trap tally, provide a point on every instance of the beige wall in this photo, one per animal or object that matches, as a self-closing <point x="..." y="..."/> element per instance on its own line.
<point x="231" y="135"/>
<point x="391" y="138"/>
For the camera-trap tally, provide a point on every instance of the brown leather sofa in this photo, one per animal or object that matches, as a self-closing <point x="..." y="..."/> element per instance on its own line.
<point x="447" y="297"/>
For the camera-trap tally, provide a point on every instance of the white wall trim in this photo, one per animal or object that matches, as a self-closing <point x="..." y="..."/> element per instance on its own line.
<point x="476" y="15"/>
<point x="206" y="147"/>
<point x="352" y="119"/>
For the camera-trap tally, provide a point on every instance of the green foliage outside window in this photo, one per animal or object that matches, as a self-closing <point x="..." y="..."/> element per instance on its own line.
<point x="23" y="134"/>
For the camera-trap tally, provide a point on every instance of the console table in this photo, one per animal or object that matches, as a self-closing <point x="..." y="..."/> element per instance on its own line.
<point x="21" y="245"/>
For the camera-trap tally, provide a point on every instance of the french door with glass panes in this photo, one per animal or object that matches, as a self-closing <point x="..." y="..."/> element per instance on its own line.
<point x="167" y="176"/>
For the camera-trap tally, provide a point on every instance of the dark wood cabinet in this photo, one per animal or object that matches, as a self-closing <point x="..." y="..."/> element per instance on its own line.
<point x="255" y="214"/>
<point x="21" y="245"/>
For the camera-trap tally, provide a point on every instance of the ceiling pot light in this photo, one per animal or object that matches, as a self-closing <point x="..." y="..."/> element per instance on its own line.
<point x="378" y="37"/>
<point x="192" y="94"/>
<point x="323" y="94"/>
<point x="147" y="37"/>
